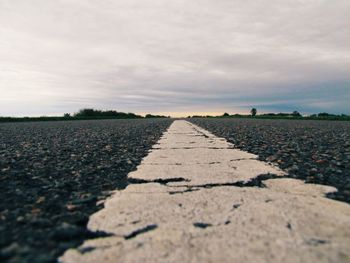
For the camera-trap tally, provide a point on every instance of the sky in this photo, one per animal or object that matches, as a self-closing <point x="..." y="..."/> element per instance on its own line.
<point x="174" y="57"/>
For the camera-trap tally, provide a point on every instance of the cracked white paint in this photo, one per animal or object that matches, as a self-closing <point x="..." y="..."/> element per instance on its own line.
<point x="287" y="221"/>
<point x="199" y="157"/>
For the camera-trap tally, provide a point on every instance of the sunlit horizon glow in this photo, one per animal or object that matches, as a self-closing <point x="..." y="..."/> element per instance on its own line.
<point x="179" y="57"/>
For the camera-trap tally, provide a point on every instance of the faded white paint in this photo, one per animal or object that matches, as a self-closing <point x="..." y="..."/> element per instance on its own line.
<point x="287" y="221"/>
<point x="199" y="157"/>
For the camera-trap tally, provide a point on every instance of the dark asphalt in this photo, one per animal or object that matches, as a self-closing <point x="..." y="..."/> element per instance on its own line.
<point x="314" y="151"/>
<point x="52" y="174"/>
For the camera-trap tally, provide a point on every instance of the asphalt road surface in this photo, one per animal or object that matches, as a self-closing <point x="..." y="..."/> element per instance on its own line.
<point x="53" y="173"/>
<point x="315" y="151"/>
<point x="195" y="198"/>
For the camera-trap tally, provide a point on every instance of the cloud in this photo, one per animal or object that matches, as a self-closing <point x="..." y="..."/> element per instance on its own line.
<point x="179" y="56"/>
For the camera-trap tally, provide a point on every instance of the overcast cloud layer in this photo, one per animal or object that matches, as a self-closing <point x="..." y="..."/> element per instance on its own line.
<point x="177" y="57"/>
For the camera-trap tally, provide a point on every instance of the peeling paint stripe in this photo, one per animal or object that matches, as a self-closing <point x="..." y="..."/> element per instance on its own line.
<point x="204" y="209"/>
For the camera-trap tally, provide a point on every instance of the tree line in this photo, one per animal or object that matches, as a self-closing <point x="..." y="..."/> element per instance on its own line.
<point x="84" y="114"/>
<point x="281" y="115"/>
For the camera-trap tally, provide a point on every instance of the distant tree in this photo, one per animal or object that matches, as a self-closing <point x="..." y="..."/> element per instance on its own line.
<point x="296" y="114"/>
<point x="283" y="114"/>
<point x="253" y="112"/>
<point x="66" y="115"/>
<point x="87" y="113"/>
<point x="156" y="116"/>
<point x="323" y="114"/>
<point x="92" y="113"/>
<point x="225" y="114"/>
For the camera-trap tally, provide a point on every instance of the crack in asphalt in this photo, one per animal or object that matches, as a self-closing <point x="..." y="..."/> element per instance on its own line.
<point x="202" y="225"/>
<point x="160" y="181"/>
<point x="133" y="234"/>
<point x="200" y="132"/>
<point x="141" y="231"/>
<point x="189" y="189"/>
<point x="189" y="148"/>
<point x="255" y="182"/>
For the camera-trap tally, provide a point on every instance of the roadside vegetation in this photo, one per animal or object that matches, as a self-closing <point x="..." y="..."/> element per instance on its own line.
<point x="292" y="115"/>
<point x="93" y="114"/>
<point x="156" y="116"/>
<point x="83" y="114"/>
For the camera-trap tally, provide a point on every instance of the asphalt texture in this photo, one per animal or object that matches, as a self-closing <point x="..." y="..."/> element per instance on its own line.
<point x="53" y="173"/>
<point x="314" y="151"/>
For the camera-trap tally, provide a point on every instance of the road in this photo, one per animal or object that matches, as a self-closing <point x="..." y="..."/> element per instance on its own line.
<point x="195" y="198"/>
<point x="53" y="173"/>
<point x="314" y="151"/>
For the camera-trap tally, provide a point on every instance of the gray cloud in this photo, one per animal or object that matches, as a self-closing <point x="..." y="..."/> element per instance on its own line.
<point x="178" y="56"/>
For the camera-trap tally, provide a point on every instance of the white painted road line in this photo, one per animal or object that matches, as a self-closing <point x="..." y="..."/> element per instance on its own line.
<point x="189" y="152"/>
<point x="205" y="212"/>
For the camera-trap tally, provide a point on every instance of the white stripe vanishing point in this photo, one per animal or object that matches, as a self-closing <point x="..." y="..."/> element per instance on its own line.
<point x="190" y="203"/>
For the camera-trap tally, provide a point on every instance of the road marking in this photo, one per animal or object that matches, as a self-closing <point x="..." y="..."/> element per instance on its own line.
<point x="192" y="201"/>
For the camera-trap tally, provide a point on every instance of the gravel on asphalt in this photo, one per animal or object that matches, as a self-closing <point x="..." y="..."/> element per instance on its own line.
<point x="52" y="174"/>
<point x="315" y="151"/>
